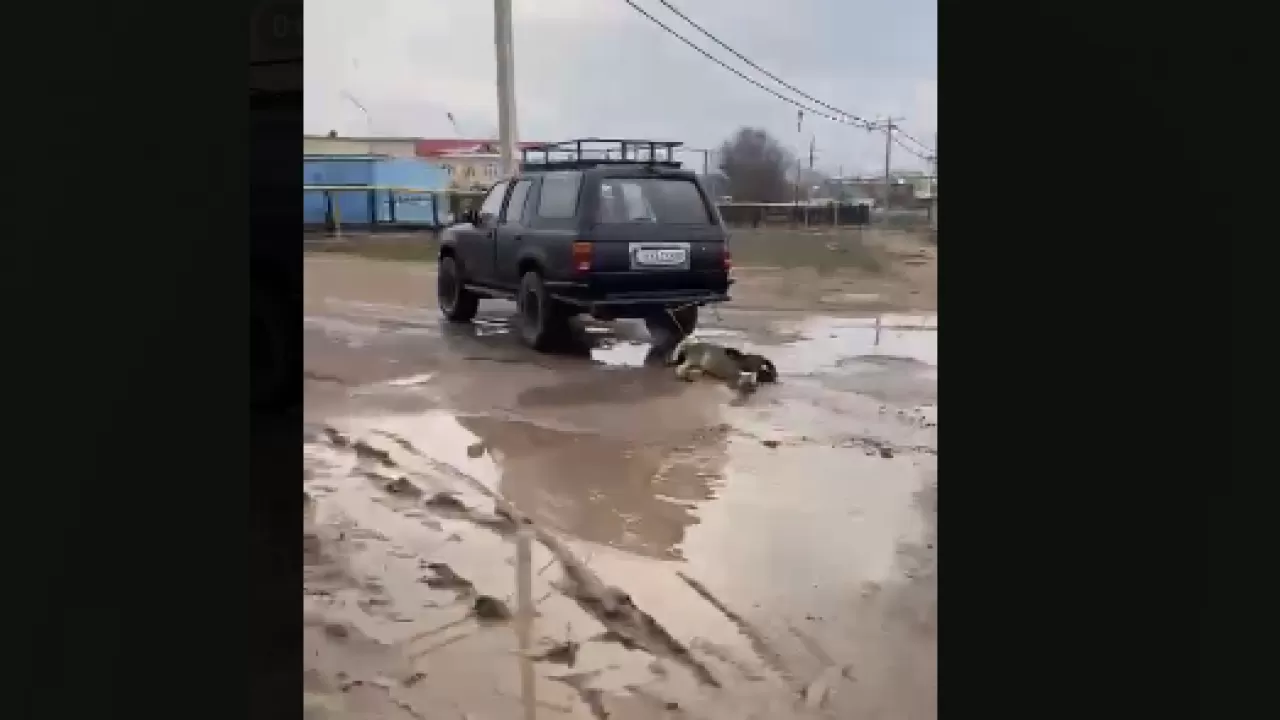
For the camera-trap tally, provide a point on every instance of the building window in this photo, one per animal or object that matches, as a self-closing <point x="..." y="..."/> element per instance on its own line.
<point x="490" y="170"/>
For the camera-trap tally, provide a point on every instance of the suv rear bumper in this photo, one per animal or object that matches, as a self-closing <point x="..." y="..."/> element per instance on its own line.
<point x="631" y="303"/>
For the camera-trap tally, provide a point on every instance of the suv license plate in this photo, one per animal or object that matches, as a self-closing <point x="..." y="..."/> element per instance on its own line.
<point x="666" y="257"/>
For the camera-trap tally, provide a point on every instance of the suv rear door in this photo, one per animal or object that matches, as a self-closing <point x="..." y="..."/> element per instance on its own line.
<point x="654" y="230"/>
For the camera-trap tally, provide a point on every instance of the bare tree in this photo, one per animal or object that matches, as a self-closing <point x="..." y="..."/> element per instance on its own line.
<point x="756" y="167"/>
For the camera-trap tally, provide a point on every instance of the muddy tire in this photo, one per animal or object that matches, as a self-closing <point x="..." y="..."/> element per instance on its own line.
<point x="457" y="303"/>
<point x="542" y="322"/>
<point x="670" y="327"/>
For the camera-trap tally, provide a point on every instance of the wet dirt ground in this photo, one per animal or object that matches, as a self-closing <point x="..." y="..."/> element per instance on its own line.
<point x="696" y="556"/>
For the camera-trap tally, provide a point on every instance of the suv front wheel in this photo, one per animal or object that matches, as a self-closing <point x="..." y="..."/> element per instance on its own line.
<point x="457" y="303"/>
<point x="543" y="322"/>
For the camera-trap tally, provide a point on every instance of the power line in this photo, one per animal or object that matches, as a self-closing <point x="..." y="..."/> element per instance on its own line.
<point x="856" y="120"/>
<point x="917" y="142"/>
<point x="737" y="72"/>
<point x="906" y="147"/>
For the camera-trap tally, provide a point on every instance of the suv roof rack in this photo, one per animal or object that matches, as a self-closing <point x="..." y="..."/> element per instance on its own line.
<point x="583" y="153"/>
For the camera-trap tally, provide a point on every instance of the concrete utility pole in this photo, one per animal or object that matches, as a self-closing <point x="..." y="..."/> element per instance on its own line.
<point x="889" y="126"/>
<point x="808" y="194"/>
<point x="503" y="41"/>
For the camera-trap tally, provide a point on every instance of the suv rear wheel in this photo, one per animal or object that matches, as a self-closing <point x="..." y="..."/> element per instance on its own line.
<point x="457" y="303"/>
<point x="543" y="322"/>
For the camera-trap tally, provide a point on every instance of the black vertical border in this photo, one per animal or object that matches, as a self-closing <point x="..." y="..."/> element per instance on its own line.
<point x="151" y="515"/>
<point x="275" y="223"/>
<point x="1087" y="291"/>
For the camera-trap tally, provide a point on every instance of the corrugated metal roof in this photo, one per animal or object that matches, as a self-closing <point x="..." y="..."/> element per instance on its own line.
<point x="361" y="139"/>
<point x="435" y="146"/>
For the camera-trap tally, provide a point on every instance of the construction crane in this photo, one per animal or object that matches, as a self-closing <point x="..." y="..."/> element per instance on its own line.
<point x="456" y="130"/>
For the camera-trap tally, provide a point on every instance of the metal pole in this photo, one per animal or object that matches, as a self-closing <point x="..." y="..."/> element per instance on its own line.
<point x="795" y="195"/>
<point x="503" y="45"/>
<point x="835" y="220"/>
<point x="795" y="188"/>
<point x="808" y="193"/>
<point x="888" y="150"/>
<point x="524" y="621"/>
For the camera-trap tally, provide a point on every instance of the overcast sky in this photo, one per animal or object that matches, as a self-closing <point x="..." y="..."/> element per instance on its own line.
<point x="597" y="67"/>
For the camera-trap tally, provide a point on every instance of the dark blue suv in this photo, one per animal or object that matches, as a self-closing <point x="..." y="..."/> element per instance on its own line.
<point x="618" y="232"/>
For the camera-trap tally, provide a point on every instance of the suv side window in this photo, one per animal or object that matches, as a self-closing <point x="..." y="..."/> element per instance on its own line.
<point x="492" y="204"/>
<point x="559" y="197"/>
<point x="515" y="206"/>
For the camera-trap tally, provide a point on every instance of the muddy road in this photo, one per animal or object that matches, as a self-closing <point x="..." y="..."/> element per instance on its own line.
<point x="696" y="557"/>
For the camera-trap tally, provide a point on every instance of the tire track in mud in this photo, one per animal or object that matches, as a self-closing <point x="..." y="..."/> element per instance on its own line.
<point x="611" y="606"/>
<point x="625" y="624"/>
<point x="395" y="465"/>
<point x="762" y="648"/>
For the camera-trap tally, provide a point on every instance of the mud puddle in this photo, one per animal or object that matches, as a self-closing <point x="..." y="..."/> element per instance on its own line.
<point x="741" y="561"/>
<point x="411" y="565"/>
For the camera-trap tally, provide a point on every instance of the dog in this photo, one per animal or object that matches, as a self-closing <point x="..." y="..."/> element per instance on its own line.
<point x="741" y="371"/>
<point x="763" y="368"/>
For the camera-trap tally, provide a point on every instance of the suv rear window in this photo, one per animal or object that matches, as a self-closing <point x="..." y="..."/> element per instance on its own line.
<point x="672" y="201"/>
<point x="559" y="198"/>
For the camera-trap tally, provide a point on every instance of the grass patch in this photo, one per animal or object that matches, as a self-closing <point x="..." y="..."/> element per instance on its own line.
<point x="822" y="250"/>
<point x="400" y="248"/>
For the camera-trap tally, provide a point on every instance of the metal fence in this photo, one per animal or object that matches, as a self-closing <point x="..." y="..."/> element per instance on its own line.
<point x="792" y="214"/>
<point x="372" y="208"/>
<point x="369" y="208"/>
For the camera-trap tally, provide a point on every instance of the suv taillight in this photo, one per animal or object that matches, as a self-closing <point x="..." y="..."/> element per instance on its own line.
<point x="582" y="257"/>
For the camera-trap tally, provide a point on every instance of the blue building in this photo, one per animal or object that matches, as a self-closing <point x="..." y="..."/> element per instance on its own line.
<point x="385" y="191"/>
